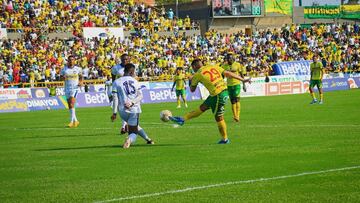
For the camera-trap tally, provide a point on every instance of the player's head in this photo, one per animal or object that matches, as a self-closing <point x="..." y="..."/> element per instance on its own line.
<point x="179" y="70"/>
<point x="315" y="58"/>
<point x="125" y="59"/>
<point x="229" y="59"/>
<point x="71" y="61"/>
<point x="196" y="64"/>
<point x="129" y="70"/>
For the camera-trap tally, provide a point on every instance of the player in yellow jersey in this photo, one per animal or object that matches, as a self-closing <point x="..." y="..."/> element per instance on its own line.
<point x="233" y="85"/>
<point x="211" y="77"/>
<point x="179" y="82"/>
<point x="317" y="72"/>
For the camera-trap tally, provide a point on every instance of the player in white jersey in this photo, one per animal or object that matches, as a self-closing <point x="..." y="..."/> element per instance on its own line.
<point x="108" y="88"/>
<point x="72" y="75"/>
<point x="129" y="95"/>
<point x="117" y="71"/>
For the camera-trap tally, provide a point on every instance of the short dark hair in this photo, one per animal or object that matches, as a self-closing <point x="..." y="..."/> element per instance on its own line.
<point x="195" y="62"/>
<point x="128" y="67"/>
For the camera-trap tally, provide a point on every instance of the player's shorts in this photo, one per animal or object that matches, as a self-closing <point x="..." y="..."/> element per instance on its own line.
<point x="71" y="93"/>
<point x="217" y="103"/>
<point x="318" y="83"/>
<point x="131" y="118"/>
<point x="234" y="91"/>
<point x="180" y="92"/>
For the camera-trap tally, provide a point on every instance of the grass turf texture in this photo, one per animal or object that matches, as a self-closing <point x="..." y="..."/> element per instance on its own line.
<point x="41" y="161"/>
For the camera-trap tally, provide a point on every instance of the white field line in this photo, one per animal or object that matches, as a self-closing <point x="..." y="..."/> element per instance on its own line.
<point x="161" y="125"/>
<point x="227" y="183"/>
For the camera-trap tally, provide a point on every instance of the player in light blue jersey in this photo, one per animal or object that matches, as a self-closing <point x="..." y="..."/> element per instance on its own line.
<point x="72" y="75"/>
<point x="128" y="91"/>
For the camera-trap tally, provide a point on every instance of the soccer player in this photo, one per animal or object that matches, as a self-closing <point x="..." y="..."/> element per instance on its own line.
<point x="211" y="76"/>
<point x="317" y="72"/>
<point x="233" y="85"/>
<point x="108" y="88"/>
<point x="117" y="71"/>
<point x="72" y="75"/>
<point x="179" y="81"/>
<point x="129" y="96"/>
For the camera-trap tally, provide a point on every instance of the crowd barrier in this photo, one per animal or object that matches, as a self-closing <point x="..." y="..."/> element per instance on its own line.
<point x="33" y="99"/>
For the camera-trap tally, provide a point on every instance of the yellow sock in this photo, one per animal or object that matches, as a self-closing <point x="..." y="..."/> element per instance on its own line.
<point x="313" y="95"/>
<point x="222" y="129"/>
<point x="233" y="108"/>
<point x="178" y="102"/>
<point x="238" y="109"/>
<point x="193" y="114"/>
<point x="321" y="97"/>
<point x="185" y="102"/>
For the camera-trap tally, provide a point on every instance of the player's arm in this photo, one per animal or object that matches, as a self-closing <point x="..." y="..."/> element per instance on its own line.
<point x="115" y="103"/>
<point x="172" y="89"/>
<point x="193" y="82"/>
<point x="81" y="79"/>
<point x="137" y="99"/>
<point x="233" y="75"/>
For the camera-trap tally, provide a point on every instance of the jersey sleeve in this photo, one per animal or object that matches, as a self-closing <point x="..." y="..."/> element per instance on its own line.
<point x="114" y="70"/>
<point x="114" y="87"/>
<point x="220" y="69"/>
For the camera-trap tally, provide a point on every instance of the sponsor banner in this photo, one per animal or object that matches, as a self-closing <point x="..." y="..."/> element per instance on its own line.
<point x="292" y="68"/>
<point x="103" y="32"/>
<point x="280" y="88"/>
<point x="60" y="91"/>
<point x="92" y="99"/>
<point x="99" y="88"/>
<point x="3" y="33"/>
<point x="333" y="84"/>
<point x="44" y="104"/>
<point x="39" y="93"/>
<point x="353" y="82"/>
<point x="322" y="12"/>
<point x="166" y="95"/>
<point x="279" y="7"/>
<point x="14" y="105"/>
<point x="15" y="93"/>
<point x="253" y="89"/>
<point x="350" y="11"/>
<point x="160" y="85"/>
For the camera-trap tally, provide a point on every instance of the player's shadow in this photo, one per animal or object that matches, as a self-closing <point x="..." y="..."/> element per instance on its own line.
<point x="110" y="146"/>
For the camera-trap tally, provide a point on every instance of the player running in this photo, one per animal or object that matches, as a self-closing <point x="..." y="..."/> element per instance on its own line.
<point x="211" y="76"/>
<point x="129" y="96"/>
<point x="179" y="81"/>
<point x="317" y="72"/>
<point x="72" y="75"/>
<point x="233" y="85"/>
<point x="117" y="71"/>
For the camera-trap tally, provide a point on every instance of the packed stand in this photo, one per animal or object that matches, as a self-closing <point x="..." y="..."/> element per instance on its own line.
<point x="36" y="58"/>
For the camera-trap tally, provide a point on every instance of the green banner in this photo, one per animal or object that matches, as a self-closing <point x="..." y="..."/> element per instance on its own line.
<point x="282" y="7"/>
<point x="345" y="11"/>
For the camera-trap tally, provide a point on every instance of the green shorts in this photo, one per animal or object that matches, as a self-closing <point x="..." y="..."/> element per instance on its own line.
<point x="180" y="92"/>
<point x="318" y="83"/>
<point x="234" y="91"/>
<point x="217" y="103"/>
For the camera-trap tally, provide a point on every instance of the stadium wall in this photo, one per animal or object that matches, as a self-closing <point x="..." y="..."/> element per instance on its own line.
<point x="34" y="99"/>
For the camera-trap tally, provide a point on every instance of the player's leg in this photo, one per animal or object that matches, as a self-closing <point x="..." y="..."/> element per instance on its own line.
<point x="311" y="86"/>
<point x="144" y="135"/>
<point x="192" y="114"/>
<point x="183" y="96"/>
<point x="133" y="121"/>
<point x="219" y="116"/>
<point x="319" y="86"/>
<point x="71" y="95"/>
<point x="124" y="127"/>
<point x="178" y="93"/>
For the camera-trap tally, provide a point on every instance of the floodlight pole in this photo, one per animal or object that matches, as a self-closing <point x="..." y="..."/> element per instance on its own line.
<point x="177" y="11"/>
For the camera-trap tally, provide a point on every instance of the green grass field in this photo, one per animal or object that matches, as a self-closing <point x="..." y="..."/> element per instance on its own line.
<point x="285" y="147"/>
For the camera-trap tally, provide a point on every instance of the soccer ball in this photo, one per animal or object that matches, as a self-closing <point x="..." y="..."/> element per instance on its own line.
<point x="164" y="115"/>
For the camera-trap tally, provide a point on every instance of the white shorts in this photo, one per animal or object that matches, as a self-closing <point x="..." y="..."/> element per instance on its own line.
<point x="131" y="118"/>
<point x="71" y="93"/>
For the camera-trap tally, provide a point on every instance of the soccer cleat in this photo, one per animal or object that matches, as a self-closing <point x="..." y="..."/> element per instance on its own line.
<point x="314" y="101"/>
<point x="124" y="130"/>
<point x="186" y="105"/>
<point x="177" y="120"/>
<point x="178" y="107"/>
<point x="236" y="119"/>
<point x="227" y="141"/>
<point x="127" y="143"/>
<point x="70" y="125"/>
<point x="321" y="102"/>
<point x="76" y="124"/>
<point x="150" y="142"/>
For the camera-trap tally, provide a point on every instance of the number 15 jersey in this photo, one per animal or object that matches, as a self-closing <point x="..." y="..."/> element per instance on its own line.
<point x="211" y="77"/>
<point x="128" y="89"/>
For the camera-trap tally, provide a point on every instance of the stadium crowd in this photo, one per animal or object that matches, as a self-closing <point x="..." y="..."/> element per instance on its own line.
<point x="36" y="58"/>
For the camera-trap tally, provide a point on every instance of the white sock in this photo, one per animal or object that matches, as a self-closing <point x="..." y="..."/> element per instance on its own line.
<point x="132" y="137"/>
<point x="123" y="124"/>
<point x="143" y="134"/>
<point x="73" y="115"/>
